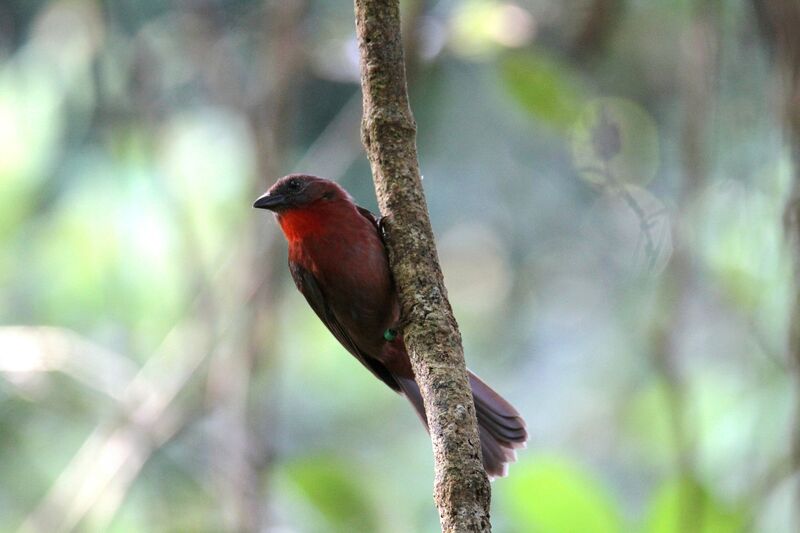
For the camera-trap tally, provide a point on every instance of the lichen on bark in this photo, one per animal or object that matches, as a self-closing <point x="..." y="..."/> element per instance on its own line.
<point x="461" y="488"/>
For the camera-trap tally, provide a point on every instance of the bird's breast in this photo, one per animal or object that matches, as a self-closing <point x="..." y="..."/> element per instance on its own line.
<point x="353" y="261"/>
<point x="350" y="264"/>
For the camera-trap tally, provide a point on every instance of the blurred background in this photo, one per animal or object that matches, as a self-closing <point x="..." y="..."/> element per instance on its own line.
<point x="606" y="179"/>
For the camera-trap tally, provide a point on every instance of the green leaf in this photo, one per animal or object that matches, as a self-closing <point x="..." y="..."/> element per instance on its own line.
<point x="545" y="89"/>
<point x="552" y="495"/>
<point x="615" y="140"/>
<point x="329" y="487"/>
<point x="646" y="421"/>
<point x="684" y="505"/>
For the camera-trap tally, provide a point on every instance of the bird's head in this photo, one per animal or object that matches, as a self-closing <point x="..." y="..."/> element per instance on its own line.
<point x="299" y="191"/>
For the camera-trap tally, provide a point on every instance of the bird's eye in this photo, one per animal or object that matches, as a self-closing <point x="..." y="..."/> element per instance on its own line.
<point x="293" y="185"/>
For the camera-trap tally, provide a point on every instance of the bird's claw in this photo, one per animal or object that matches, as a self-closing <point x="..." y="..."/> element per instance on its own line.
<point x="382" y="227"/>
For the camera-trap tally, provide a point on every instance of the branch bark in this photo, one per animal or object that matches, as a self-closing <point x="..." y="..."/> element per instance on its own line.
<point x="388" y="131"/>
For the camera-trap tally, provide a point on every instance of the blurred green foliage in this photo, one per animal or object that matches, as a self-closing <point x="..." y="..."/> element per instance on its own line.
<point x="607" y="195"/>
<point x="553" y="495"/>
<point x="545" y="89"/>
<point x="669" y="514"/>
<point x="331" y="491"/>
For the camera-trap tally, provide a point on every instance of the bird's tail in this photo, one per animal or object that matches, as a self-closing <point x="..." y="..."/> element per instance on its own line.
<point x="500" y="426"/>
<point x="502" y="429"/>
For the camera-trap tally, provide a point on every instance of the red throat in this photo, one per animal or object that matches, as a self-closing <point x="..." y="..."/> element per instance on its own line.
<point x="297" y="224"/>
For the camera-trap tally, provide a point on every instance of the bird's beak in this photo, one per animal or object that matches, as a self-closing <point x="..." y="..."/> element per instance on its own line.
<point x="270" y="201"/>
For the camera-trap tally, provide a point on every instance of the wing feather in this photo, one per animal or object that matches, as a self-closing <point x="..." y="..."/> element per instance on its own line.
<point x="313" y="293"/>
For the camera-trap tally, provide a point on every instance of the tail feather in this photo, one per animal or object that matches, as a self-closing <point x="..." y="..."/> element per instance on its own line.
<point x="502" y="429"/>
<point x="500" y="426"/>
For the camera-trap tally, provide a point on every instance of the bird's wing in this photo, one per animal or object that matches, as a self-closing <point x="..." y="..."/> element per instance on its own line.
<point x="308" y="285"/>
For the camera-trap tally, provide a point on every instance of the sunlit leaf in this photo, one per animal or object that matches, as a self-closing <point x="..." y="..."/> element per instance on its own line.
<point x="684" y="505"/>
<point x="481" y="27"/>
<point x="545" y="89"/>
<point x="551" y="495"/>
<point x="615" y="141"/>
<point x="330" y="488"/>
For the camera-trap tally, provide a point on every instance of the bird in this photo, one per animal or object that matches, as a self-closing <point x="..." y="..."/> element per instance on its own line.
<point x="338" y="261"/>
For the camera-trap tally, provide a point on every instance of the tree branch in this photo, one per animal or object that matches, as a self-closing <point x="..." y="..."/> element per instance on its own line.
<point x="461" y="488"/>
